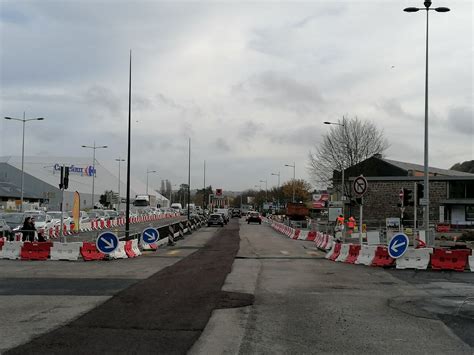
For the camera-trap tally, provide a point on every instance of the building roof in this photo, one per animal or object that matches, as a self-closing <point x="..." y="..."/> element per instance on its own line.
<point x="420" y="168"/>
<point x="11" y="190"/>
<point x="46" y="169"/>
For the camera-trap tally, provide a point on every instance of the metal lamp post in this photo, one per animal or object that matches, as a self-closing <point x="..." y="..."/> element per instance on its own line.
<point x="23" y="120"/>
<point x="94" y="147"/>
<point x="120" y="198"/>
<point x="343" y="195"/>
<point x="148" y="172"/>
<point x="275" y="174"/>
<point x="294" y="173"/>
<point x="426" y="196"/>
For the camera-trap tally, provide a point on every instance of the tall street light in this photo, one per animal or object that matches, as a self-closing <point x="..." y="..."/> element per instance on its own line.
<point x="266" y="188"/>
<point x="93" y="147"/>
<point x="426" y="196"/>
<point x="294" y="173"/>
<point x="120" y="198"/>
<point x="343" y="196"/>
<point x="275" y="174"/>
<point x="148" y="172"/>
<point x="23" y="120"/>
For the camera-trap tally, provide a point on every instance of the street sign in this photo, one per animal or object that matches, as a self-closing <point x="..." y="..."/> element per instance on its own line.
<point x="423" y="201"/>
<point x="398" y="245"/>
<point x="107" y="242"/>
<point x="150" y="235"/>
<point x="360" y="185"/>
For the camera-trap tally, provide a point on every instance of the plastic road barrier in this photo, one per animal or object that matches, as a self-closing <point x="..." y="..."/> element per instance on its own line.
<point x="415" y="259"/>
<point x="89" y="252"/>
<point x="354" y="251"/>
<point x="443" y="259"/>
<point x="337" y="250"/>
<point x="471" y="263"/>
<point x="366" y="255"/>
<point x="330" y="252"/>
<point x="35" y="250"/>
<point x="344" y="253"/>
<point x="11" y="250"/>
<point x="382" y="258"/>
<point x="119" y="253"/>
<point x="66" y="251"/>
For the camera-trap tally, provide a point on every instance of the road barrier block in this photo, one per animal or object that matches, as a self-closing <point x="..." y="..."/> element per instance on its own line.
<point x="119" y="253"/>
<point x="89" y="252"/>
<point x="471" y="262"/>
<point x="337" y="250"/>
<point x="344" y="253"/>
<point x="414" y="259"/>
<point x="11" y="250"/>
<point x="366" y="255"/>
<point x="66" y="251"/>
<point x="354" y="251"/>
<point x="444" y="259"/>
<point x="128" y="249"/>
<point x="311" y="236"/>
<point x="35" y="250"/>
<point x="135" y="247"/>
<point x="382" y="258"/>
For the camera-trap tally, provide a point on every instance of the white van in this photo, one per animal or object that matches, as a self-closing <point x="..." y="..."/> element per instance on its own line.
<point x="225" y="212"/>
<point x="177" y="207"/>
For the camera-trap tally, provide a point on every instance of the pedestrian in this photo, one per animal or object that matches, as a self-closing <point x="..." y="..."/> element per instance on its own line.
<point x="27" y="230"/>
<point x="32" y="232"/>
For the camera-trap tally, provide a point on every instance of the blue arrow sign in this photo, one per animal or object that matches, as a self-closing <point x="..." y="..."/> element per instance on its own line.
<point x="398" y="245"/>
<point x="150" y="235"/>
<point x="107" y="242"/>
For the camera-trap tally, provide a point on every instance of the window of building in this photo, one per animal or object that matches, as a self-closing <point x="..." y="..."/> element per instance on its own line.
<point x="469" y="189"/>
<point x="469" y="213"/>
<point x="457" y="189"/>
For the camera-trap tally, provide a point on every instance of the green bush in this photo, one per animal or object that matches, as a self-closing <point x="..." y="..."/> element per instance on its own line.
<point x="467" y="236"/>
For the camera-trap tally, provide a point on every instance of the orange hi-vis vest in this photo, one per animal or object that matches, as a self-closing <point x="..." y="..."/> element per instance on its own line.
<point x="351" y="222"/>
<point x="340" y="220"/>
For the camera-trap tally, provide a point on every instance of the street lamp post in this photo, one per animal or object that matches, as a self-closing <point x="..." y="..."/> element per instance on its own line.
<point x="119" y="198"/>
<point x="426" y="196"/>
<point x="278" y="197"/>
<point x="23" y="120"/>
<point x="147" y="173"/>
<point x="343" y="195"/>
<point x="266" y="188"/>
<point x="94" y="147"/>
<point x="294" y="173"/>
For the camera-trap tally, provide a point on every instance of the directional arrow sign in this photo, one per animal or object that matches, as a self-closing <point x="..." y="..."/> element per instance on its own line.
<point x="398" y="245"/>
<point x="107" y="242"/>
<point x="150" y="235"/>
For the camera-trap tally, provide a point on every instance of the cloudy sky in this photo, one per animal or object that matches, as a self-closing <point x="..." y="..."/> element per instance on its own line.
<point x="249" y="82"/>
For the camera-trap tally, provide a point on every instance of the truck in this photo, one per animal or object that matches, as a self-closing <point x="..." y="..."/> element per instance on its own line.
<point x="145" y="201"/>
<point x="296" y="211"/>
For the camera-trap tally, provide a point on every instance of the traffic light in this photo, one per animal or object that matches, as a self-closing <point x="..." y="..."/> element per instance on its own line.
<point x="61" y="178"/>
<point x="407" y="197"/>
<point x="420" y="191"/>
<point x="66" y="178"/>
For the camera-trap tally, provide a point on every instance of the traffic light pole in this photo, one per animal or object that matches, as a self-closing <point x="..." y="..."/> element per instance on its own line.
<point x="415" y="206"/>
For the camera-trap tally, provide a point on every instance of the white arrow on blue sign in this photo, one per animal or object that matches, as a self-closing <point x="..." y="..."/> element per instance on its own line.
<point x="150" y="235"/>
<point x="107" y="242"/>
<point x="398" y="245"/>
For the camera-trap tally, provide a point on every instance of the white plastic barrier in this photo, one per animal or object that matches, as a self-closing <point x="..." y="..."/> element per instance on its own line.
<point x="366" y="255"/>
<point x="415" y="259"/>
<point x="303" y="235"/>
<point x="331" y="251"/>
<point x="471" y="262"/>
<point x="65" y="251"/>
<point x="330" y="242"/>
<point x="11" y="250"/>
<point x="146" y="246"/>
<point x="344" y="253"/>
<point x="162" y="241"/>
<point x="135" y="247"/>
<point x="119" y="253"/>
<point x="85" y="227"/>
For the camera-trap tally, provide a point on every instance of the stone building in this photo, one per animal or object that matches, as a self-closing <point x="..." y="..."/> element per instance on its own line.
<point x="451" y="192"/>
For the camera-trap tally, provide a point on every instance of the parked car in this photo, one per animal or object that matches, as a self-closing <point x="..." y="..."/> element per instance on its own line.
<point x="43" y="222"/>
<point x="83" y="217"/>
<point x="56" y="218"/>
<point x="225" y="213"/>
<point x="113" y="215"/>
<point x="254" y="217"/>
<point x="236" y="213"/>
<point x="215" y="219"/>
<point x="14" y="220"/>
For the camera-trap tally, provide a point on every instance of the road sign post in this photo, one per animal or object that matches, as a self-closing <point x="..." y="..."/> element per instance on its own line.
<point x="398" y="245"/>
<point x="150" y="235"/>
<point x="107" y="242"/>
<point x="360" y="188"/>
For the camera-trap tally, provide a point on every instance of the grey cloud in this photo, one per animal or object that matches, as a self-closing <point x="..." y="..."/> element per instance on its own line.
<point x="461" y="119"/>
<point x="222" y="145"/>
<point x="276" y="90"/>
<point x="394" y="109"/>
<point x="304" y="136"/>
<point x="248" y="130"/>
<point x="103" y="97"/>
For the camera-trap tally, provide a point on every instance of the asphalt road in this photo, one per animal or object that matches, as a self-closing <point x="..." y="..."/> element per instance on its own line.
<point x="240" y="289"/>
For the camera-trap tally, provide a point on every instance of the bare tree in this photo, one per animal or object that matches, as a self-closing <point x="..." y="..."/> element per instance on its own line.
<point x="347" y="143"/>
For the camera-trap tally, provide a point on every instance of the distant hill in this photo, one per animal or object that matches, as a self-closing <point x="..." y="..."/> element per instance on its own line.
<point x="467" y="166"/>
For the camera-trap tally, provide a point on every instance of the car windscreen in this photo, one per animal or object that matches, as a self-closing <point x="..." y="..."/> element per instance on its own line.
<point x="14" y="217"/>
<point x="56" y="215"/>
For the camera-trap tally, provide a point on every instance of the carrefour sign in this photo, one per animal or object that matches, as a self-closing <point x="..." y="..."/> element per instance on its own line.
<point x="87" y="170"/>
